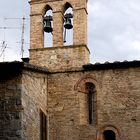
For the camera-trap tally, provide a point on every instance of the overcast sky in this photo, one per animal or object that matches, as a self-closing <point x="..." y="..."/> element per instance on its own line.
<point x="114" y="29"/>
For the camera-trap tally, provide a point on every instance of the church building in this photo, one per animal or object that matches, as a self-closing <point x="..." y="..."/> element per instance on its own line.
<point x="57" y="94"/>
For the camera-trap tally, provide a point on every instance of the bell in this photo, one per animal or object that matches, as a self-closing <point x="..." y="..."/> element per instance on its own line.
<point x="47" y="26"/>
<point x="68" y="24"/>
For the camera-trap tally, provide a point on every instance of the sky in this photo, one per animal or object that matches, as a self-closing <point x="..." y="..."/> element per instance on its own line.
<point x="113" y="29"/>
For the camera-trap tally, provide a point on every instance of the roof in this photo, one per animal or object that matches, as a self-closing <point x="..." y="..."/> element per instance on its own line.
<point x="8" y="69"/>
<point x="114" y="65"/>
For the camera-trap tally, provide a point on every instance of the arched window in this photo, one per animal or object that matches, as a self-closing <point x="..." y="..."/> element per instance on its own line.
<point x="48" y="27"/>
<point x="109" y="135"/>
<point x="90" y="89"/>
<point x="87" y="88"/>
<point x="68" y="33"/>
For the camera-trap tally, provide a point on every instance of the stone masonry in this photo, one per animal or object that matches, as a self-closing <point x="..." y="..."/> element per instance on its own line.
<point x="10" y="109"/>
<point x="56" y="82"/>
<point x="62" y="97"/>
<point x="22" y="96"/>
<point x="38" y="8"/>
<point x="69" y="56"/>
<point x="117" y="101"/>
<point x="60" y="57"/>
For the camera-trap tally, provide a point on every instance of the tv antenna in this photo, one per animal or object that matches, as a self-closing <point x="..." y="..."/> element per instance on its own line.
<point x="22" y="37"/>
<point x="4" y="45"/>
<point x="22" y="33"/>
<point x="2" y="50"/>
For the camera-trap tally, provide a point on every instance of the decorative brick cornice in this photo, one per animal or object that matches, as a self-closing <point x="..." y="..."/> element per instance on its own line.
<point x="81" y="8"/>
<point x="42" y="1"/>
<point x="60" y="47"/>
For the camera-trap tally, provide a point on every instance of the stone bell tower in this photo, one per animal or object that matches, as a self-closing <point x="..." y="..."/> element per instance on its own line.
<point x="58" y="56"/>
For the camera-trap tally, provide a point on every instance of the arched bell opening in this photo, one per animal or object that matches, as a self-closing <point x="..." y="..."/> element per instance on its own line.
<point x="68" y="24"/>
<point x="48" y="27"/>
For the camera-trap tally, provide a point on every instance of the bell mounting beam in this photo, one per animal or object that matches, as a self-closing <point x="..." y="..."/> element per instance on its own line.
<point x="48" y="18"/>
<point x="68" y="15"/>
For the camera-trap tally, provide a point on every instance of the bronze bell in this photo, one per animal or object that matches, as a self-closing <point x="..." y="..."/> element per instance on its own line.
<point x="47" y="24"/>
<point x="68" y="25"/>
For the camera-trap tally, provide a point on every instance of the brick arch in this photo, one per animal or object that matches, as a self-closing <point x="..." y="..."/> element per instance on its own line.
<point x="108" y="127"/>
<point x="79" y="86"/>
<point x="46" y="8"/>
<point x="66" y="6"/>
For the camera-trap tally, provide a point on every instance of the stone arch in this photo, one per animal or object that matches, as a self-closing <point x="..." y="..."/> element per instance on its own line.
<point x="48" y="38"/>
<point x="66" y="6"/>
<point x="105" y="128"/>
<point x="85" y="88"/>
<point x="86" y="79"/>
<point x="67" y="33"/>
<point x="46" y="8"/>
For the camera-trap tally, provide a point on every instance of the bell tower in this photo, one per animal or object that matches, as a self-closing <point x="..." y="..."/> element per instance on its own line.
<point x="59" y="56"/>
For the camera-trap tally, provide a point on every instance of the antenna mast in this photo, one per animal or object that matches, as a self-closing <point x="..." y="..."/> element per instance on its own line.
<point x="22" y="37"/>
<point x="22" y="34"/>
<point x="3" y="49"/>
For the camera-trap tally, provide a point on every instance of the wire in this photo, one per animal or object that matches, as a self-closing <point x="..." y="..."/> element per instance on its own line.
<point x="22" y="41"/>
<point x="10" y="27"/>
<point x="16" y="18"/>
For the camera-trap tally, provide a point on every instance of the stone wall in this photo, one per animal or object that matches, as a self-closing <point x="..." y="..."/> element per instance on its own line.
<point x="22" y="97"/>
<point x="117" y="101"/>
<point x="10" y="108"/>
<point x="34" y="100"/>
<point x="38" y="8"/>
<point x="60" y="58"/>
<point x="62" y="97"/>
<point x="63" y="106"/>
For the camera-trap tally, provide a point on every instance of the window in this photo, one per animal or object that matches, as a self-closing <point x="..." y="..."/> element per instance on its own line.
<point x="109" y="135"/>
<point x="68" y="33"/>
<point x="48" y="27"/>
<point x="90" y="88"/>
<point x="43" y="126"/>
